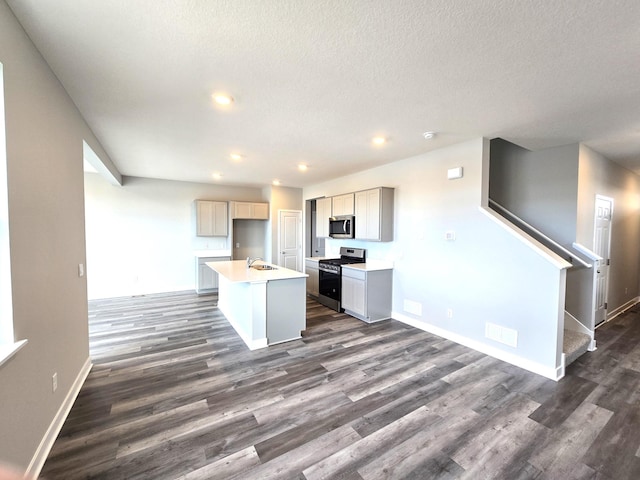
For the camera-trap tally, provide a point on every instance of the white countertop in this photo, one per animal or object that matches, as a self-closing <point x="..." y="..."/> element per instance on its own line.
<point x="316" y="259"/>
<point x="236" y="271"/>
<point x="212" y="253"/>
<point x="370" y="266"/>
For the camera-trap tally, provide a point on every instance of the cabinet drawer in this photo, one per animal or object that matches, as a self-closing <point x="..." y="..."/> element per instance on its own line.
<point x="352" y="273"/>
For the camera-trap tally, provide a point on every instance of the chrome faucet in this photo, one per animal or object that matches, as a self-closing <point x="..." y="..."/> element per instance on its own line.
<point x="251" y="261"/>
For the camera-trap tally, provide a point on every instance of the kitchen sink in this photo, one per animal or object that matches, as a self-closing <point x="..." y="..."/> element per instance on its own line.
<point x="264" y="267"/>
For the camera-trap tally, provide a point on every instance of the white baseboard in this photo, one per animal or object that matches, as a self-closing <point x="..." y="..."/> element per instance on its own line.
<point x="560" y="370"/>
<point x="46" y="444"/>
<point x="249" y="342"/>
<point x="622" y="308"/>
<point x="256" y="344"/>
<point x="553" y="373"/>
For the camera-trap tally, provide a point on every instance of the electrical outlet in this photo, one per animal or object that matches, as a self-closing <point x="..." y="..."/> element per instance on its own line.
<point x="449" y="313"/>
<point x="54" y="382"/>
<point x="81" y="269"/>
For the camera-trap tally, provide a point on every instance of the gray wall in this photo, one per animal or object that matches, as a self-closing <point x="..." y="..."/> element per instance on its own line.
<point x="485" y="275"/>
<point x="540" y="187"/>
<point x="555" y="189"/>
<point x="141" y="236"/>
<point x="45" y="134"/>
<point x="280" y="198"/>
<point x="600" y="176"/>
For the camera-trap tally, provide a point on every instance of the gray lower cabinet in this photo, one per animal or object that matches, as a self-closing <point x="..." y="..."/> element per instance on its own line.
<point x="207" y="279"/>
<point x="311" y="269"/>
<point x="367" y="294"/>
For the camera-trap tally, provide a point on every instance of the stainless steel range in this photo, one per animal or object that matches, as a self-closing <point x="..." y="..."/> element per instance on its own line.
<point x="330" y="275"/>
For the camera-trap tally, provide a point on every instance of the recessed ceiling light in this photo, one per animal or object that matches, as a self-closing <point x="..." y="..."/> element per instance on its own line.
<point x="217" y="175"/>
<point x="276" y="182"/>
<point x="236" y="156"/>
<point x="379" y="140"/>
<point x="222" y="99"/>
<point x="429" y="135"/>
<point x="302" y="167"/>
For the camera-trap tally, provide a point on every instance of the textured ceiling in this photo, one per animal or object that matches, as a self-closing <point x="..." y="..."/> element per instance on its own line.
<point x="315" y="80"/>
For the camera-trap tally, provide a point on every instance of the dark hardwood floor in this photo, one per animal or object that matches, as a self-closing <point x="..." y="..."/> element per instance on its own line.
<point x="174" y="393"/>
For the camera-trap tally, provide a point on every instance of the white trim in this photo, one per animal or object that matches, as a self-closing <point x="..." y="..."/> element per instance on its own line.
<point x="621" y="309"/>
<point x="43" y="450"/>
<point x="539" y="233"/>
<point x="560" y="369"/>
<point x="527" y="239"/>
<point x="9" y="350"/>
<point x="249" y="342"/>
<point x="300" y="233"/>
<point x="282" y="341"/>
<point x="585" y="251"/>
<point x="553" y="373"/>
<point x="7" y="338"/>
<point x="257" y="344"/>
<point x="607" y="316"/>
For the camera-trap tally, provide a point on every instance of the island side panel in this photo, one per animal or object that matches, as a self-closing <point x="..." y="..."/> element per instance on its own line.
<point x="286" y="309"/>
<point x="243" y="304"/>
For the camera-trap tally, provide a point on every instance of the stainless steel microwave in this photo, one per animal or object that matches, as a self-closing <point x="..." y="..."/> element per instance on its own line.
<point x="343" y="226"/>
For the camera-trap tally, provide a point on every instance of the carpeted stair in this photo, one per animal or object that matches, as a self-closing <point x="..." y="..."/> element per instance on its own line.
<point x="575" y="344"/>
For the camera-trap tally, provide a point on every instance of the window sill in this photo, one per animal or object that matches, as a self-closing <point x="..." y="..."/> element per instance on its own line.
<point x="9" y="350"/>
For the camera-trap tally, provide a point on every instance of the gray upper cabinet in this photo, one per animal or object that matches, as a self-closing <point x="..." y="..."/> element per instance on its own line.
<point x="251" y="210"/>
<point x="374" y="214"/>
<point x="342" y="205"/>
<point x="211" y="218"/>
<point x="323" y="212"/>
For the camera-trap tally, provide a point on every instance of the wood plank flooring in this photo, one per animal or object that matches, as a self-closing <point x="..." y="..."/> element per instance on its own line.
<point x="175" y="394"/>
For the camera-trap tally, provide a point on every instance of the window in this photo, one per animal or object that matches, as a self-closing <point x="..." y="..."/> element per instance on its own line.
<point x="8" y="345"/>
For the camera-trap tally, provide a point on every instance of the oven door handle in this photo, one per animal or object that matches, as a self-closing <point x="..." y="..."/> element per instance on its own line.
<point x="326" y="270"/>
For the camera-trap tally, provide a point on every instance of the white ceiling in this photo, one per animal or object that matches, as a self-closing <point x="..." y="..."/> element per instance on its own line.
<point x="315" y="80"/>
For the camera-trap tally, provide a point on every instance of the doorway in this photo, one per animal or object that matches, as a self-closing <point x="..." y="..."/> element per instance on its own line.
<point x="602" y="247"/>
<point x="290" y="239"/>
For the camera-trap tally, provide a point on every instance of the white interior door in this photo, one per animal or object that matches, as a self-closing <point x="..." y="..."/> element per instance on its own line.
<point x="601" y="243"/>
<point x="290" y="239"/>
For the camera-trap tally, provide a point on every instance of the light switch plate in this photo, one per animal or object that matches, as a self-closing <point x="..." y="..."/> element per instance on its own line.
<point x="454" y="173"/>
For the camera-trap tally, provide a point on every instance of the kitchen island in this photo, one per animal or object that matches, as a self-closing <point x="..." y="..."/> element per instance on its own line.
<point x="265" y="307"/>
